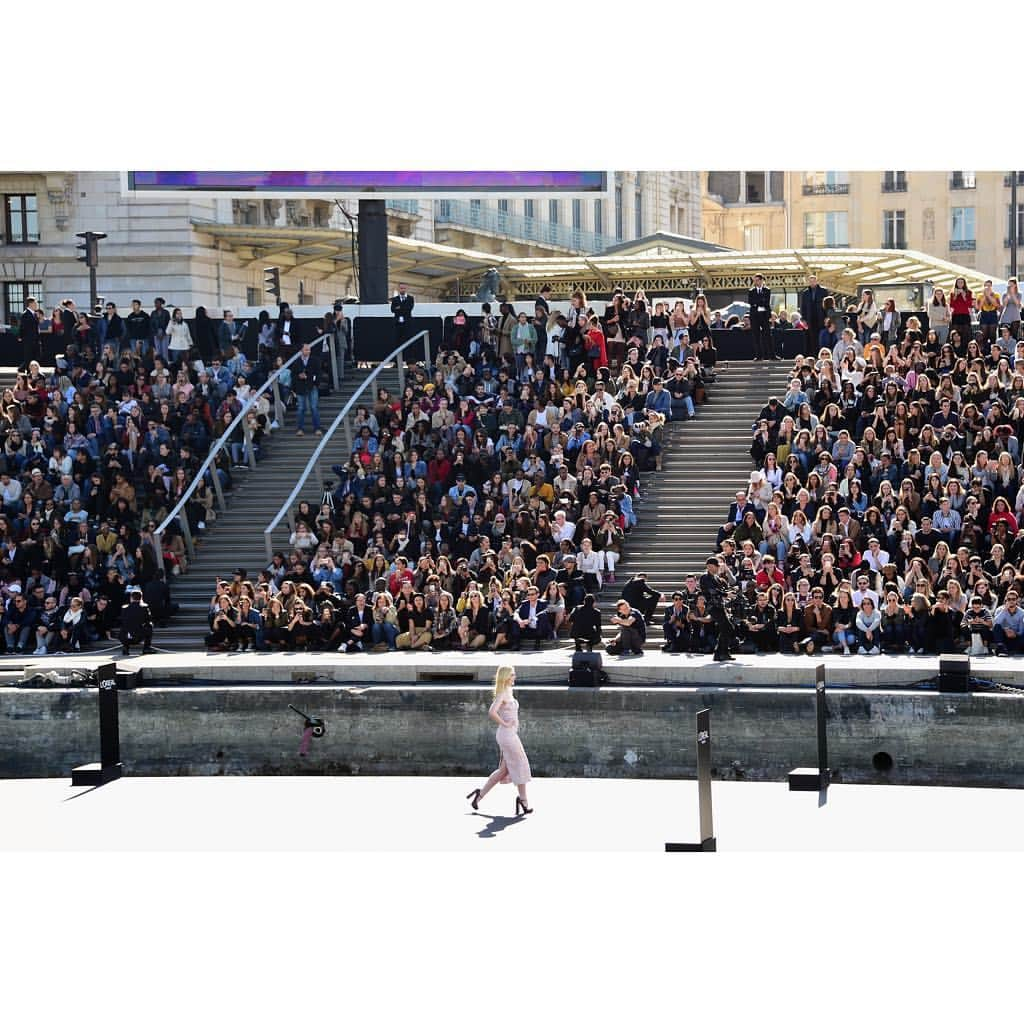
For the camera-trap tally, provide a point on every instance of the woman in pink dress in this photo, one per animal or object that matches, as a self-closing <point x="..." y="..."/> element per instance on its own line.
<point x="513" y="766"/>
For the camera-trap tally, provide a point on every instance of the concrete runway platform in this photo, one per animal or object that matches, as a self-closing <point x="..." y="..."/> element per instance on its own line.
<point x="549" y="666"/>
<point x="572" y="815"/>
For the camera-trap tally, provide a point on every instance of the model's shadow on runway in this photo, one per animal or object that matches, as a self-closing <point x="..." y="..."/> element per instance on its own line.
<point x="497" y="823"/>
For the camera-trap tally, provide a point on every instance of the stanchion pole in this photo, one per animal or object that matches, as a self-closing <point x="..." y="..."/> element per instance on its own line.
<point x="708" y="843"/>
<point x="815" y="780"/>
<point x="109" y="766"/>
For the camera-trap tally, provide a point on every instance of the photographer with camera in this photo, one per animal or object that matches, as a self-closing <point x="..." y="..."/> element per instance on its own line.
<point x="715" y="590"/>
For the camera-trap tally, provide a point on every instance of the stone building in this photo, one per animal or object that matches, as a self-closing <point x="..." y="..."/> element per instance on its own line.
<point x="209" y="250"/>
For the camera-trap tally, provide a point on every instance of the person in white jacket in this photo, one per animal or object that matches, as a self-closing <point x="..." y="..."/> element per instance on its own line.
<point x="591" y="563"/>
<point x="179" y="338"/>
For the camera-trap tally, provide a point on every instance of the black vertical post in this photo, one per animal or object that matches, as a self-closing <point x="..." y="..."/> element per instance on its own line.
<point x="707" y="843"/>
<point x="815" y="780"/>
<point x="109" y="766"/>
<point x="819" y="687"/>
<point x="373" y="251"/>
<point x="93" y="290"/>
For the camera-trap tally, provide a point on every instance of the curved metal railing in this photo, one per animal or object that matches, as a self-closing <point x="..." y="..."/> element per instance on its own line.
<point x="313" y="465"/>
<point x="179" y="510"/>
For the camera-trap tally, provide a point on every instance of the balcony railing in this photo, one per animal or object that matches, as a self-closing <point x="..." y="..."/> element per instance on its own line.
<point x="899" y="243"/>
<point x="1008" y="179"/>
<point x="956" y="184"/>
<point x="403" y="205"/>
<point x="897" y="185"/>
<point x="835" y="189"/>
<point x="527" y="229"/>
<point x="1007" y="242"/>
<point x="825" y="245"/>
<point x="962" y="244"/>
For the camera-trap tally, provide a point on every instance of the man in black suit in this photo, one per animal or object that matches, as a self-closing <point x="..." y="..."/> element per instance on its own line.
<point x="401" y="306"/>
<point x="68" y="319"/>
<point x="28" y="331"/>
<point x="713" y="587"/>
<point x="760" y="300"/>
<point x="542" y="299"/>
<point x="812" y="313"/>
<point x="358" y="623"/>
<point x="306" y="385"/>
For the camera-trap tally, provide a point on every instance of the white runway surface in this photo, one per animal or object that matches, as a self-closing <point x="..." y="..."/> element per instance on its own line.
<point x="417" y="814"/>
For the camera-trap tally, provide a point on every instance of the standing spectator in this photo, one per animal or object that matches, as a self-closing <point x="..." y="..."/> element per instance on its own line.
<point x="961" y="302"/>
<point x="306" y="385"/>
<point x="1009" y="315"/>
<point x="179" y="337"/>
<point x="938" y="316"/>
<point x="760" y="300"/>
<point x="28" y="331"/>
<point x="401" y="306"/>
<point x="205" y="336"/>
<point x="229" y="333"/>
<point x="138" y="329"/>
<point x="111" y="327"/>
<point x="812" y="312"/>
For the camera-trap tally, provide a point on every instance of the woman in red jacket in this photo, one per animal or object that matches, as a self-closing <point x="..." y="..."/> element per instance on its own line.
<point x="594" y="343"/>
<point x="1001" y="511"/>
<point x="961" y="302"/>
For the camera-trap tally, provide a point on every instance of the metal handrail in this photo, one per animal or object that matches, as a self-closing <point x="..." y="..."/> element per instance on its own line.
<point x="313" y="465"/>
<point x="215" y="449"/>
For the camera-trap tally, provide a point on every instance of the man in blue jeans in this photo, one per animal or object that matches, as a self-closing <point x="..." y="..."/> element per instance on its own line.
<point x="306" y="385"/>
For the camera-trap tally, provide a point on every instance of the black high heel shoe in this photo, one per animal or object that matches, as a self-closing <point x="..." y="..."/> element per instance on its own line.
<point x="521" y="808"/>
<point x="474" y="798"/>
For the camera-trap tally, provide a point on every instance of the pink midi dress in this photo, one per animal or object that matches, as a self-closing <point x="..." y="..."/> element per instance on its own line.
<point x="513" y="756"/>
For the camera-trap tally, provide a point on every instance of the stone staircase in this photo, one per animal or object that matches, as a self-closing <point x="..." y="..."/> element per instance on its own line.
<point x="236" y="537"/>
<point x="706" y="461"/>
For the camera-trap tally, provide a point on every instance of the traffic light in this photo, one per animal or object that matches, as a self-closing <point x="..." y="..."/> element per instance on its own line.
<point x="90" y="248"/>
<point x="272" y="277"/>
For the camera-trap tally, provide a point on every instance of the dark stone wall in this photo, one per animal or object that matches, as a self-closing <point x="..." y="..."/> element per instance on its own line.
<point x="607" y="733"/>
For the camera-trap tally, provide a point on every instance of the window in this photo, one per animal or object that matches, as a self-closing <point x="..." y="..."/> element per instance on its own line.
<point x="252" y="297"/>
<point x="618" y="212"/>
<point x="598" y="217"/>
<point x="755" y="187"/>
<point x="638" y="213"/>
<point x="16" y="294"/>
<point x="577" y="214"/>
<point x="894" y="181"/>
<point x="829" y="183"/>
<point x="1020" y="224"/>
<point x="753" y="237"/>
<point x="828" y="230"/>
<point x="961" y="179"/>
<point x="894" y="229"/>
<point x="21" y="219"/>
<point x="503" y="206"/>
<point x="528" y="208"/>
<point x="553" y="211"/>
<point x="961" y="235"/>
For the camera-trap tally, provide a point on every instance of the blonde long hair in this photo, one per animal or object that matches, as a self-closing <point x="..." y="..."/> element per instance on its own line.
<point x="503" y="679"/>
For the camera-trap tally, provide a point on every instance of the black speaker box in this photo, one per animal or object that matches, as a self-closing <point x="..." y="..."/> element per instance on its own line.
<point x="954" y="673"/>
<point x="587" y="669"/>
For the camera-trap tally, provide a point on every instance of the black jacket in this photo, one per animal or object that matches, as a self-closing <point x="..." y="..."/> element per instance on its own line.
<point x="29" y="327"/>
<point x="135" y="618"/>
<point x="757" y="300"/>
<point x="402" y="305"/>
<point x="810" y="306"/>
<point x="304" y="385"/>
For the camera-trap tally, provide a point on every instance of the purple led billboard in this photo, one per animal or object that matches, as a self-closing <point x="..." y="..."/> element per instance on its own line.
<point x="369" y="181"/>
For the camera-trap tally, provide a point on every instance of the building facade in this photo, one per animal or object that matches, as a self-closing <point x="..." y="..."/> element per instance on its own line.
<point x="960" y="216"/>
<point x="210" y="251"/>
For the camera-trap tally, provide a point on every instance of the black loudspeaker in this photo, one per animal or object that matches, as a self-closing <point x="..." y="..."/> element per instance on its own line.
<point x="954" y="673"/>
<point x="586" y="669"/>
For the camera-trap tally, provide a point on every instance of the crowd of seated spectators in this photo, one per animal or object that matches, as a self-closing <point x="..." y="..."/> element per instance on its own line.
<point x="884" y="512"/>
<point x="95" y="450"/>
<point x="481" y="508"/>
